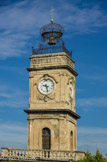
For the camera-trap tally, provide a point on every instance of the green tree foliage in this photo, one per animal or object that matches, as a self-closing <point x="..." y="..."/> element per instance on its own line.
<point x="99" y="157"/>
<point x="89" y="158"/>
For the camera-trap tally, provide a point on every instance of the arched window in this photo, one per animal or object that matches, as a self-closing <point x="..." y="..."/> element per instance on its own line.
<point x="46" y="138"/>
<point x="71" y="133"/>
<point x="71" y="139"/>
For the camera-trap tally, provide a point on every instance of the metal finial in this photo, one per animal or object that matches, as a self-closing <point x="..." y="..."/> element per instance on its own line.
<point x="52" y="10"/>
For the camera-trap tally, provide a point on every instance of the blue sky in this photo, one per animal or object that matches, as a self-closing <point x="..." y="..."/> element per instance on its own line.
<point x="85" y="23"/>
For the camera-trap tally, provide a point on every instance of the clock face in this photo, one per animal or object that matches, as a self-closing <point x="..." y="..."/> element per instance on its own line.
<point x="46" y="86"/>
<point x="71" y="89"/>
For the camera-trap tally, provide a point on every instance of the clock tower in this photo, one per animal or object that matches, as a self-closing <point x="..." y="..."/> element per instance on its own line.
<point x="52" y="118"/>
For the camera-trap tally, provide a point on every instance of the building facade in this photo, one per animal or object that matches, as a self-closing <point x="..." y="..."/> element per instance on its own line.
<point x="52" y="118"/>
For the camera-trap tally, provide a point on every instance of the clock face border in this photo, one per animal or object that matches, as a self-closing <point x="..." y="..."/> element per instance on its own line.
<point x="46" y="86"/>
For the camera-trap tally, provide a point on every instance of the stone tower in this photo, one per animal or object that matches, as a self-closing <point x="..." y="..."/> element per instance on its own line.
<point x="52" y="118"/>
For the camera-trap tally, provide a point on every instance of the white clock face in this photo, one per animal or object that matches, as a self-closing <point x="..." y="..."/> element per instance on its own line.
<point x="71" y="89"/>
<point x="46" y="86"/>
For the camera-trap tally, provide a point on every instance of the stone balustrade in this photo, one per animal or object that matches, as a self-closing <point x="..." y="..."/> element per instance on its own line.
<point x="41" y="154"/>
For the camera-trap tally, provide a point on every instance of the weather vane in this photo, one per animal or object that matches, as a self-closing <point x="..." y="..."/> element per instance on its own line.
<point x="52" y="10"/>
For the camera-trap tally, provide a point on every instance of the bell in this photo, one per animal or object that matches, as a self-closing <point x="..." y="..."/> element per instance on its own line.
<point x="51" y="41"/>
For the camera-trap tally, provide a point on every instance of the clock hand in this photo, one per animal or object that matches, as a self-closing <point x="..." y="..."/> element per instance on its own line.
<point x="47" y="88"/>
<point x="45" y="85"/>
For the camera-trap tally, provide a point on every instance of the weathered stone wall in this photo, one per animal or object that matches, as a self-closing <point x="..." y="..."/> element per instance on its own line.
<point x="61" y="127"/>
<point x="60" y="96"/>
<point x="59" y="68"/>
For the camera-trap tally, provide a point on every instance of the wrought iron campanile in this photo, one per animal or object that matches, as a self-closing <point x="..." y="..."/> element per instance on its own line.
<point x="51" y="39"/>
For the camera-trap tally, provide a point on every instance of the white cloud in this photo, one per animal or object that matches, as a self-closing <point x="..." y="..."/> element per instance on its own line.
<point x="18" y="70"/>
<point x="21" y="21"/>
<point x="16" y="127"/>
<point x="90" y="138"/>
<point x="95" y="77"/>
<point x="87" y="103"/>
<point x="13" y="135"/>
<point x="10" y="97"/>
<point x="92" y="131"/>
<point x="83" y="19"/>
<point x="80" y="90"/>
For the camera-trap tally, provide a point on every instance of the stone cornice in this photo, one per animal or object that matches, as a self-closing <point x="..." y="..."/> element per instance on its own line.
<point x="54" y="111"/>
<point x="54" y="67"/>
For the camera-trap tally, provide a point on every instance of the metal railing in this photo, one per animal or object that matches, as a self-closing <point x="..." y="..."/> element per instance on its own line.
<point x="51" y="49"/>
